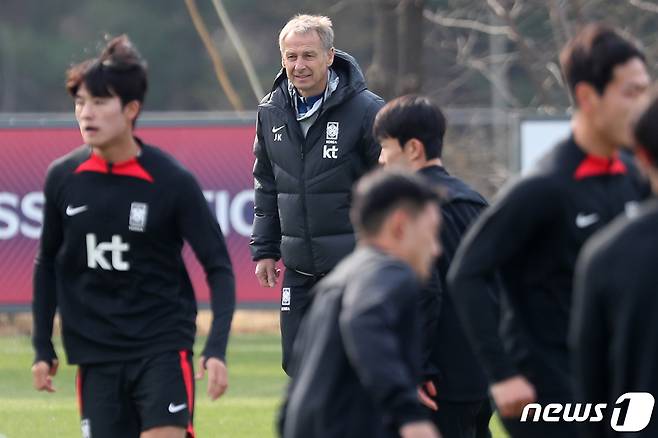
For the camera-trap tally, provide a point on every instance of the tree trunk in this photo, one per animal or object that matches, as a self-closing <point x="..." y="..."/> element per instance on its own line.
<point x="410" y="43"/>
<point x="381" y="75"/>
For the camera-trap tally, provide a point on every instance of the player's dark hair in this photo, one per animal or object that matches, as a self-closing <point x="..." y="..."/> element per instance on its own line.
<point x="646" y="132"/>
<point x="410" y="117"/>
<point x="118" y="71"/>
<point x="592" y="55"/>
<point x="381" y="192"/>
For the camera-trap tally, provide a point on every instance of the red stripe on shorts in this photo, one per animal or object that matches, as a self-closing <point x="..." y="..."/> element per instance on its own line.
<point x="78" y="389"/>
<point x="188" y="378"/>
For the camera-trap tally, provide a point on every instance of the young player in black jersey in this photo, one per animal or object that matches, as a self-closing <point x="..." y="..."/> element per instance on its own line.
<point x="410" y="130"/>
<point x="534" y="231"/>
<point x="614" y="322"/>
<point x="357" y="360"/>
<point x="116" y="215"/>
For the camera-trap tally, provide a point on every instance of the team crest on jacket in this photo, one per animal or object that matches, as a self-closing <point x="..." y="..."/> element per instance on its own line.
<point x="330" y="149"/>
<point x="285" y="299"/>
<point x="138" y="215"/>
<point x="332" y="130"/>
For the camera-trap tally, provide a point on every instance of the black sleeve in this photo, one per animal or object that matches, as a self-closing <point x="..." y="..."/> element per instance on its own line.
<point x="266" y="232"/>
<point x="367" y="325"/>
<point x="44" y="300"/>
<point x="496" y="236"/>
<point x="431" y="296"/>
<point x="590" y="331"/>
<point x="200" y="229"/>
<point x="370" y="146"/>
<point x="456" y="217"/>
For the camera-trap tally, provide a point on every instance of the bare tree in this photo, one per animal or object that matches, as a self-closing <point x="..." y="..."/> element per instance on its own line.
<point x="218" y="64"/>
<point x="382" y="73"/>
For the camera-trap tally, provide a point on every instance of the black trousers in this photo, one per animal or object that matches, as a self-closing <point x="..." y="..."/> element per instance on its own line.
<point x="463" y="419"/>
<point x="295" y="302"/>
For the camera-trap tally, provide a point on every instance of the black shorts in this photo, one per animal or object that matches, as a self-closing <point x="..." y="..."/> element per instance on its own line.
<point x="123" y="399"/>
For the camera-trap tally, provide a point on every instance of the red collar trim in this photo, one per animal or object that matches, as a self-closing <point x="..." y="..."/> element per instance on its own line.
<point x="596" y="166"/>
<point x="125" y="168"/>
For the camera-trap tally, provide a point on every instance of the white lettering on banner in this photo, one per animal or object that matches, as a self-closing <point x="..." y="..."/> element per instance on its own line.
<point x="24" y="216"/>
<point x="230" y="214"/>
<point x="31" y="207"/>
<point x="10" y="220"/>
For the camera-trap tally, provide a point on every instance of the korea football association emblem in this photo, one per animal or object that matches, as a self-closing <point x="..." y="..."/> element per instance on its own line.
<point x="330" y="149"/>
<point x="332" y="130"/>
<point x="138" y="215"/>
<point x="285" y="299"/>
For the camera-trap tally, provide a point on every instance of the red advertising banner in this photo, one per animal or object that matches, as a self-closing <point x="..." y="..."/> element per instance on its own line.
<point x="218" y="155"/>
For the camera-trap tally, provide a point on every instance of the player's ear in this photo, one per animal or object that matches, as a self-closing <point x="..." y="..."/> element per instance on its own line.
<point x="330" y="56"/>
<point x="585" y="96"/>
<point x="131" y="110"/>
<point x="414" y="149"/>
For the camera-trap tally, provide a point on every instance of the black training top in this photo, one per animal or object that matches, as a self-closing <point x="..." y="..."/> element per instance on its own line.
<point x="614" y="325"/>
<point x="532" y="235"/>
<point x="110" y="259"/>
<point x="450" y="359"/>
<point x="357" y="360"/>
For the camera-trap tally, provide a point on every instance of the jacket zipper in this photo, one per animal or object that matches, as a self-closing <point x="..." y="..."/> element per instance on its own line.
<point x="307" y="236"/>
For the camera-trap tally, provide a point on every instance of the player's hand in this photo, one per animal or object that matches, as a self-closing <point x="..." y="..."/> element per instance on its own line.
<point x="419" y="429"/>
<point x="267" y="273"/>
<point x="217" y="376"/>
<point x="512" y="395"/>
<point x="425" y="393"/>
<point x="42" y="375"/>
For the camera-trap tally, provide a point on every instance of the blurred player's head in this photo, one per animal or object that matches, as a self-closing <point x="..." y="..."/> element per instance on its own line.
<point x="108" y="92"/>
<point x="398" y="212"/>
<point x="646" y="141"/>
<point x="608" y="80"/>
<point x="306" y="43"/>
<point x="410" y="130"/>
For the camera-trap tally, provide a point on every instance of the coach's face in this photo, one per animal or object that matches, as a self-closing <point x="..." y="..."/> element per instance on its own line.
<point x="624" y="95"/>
<point x="306" y="62"/>
<point x="421" y="240"/>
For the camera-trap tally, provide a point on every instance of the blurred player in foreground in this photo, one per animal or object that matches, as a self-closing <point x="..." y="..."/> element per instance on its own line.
<point x="357" y="361"/>
<point x="534" y="230"/>
<point x="614" y="324"/>
<point x="116" y="214"/>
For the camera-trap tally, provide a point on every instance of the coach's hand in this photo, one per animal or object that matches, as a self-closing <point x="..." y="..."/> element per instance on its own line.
<point x="425" y="393"/>
<point x="512" y="395"/>
<point x="419" y="429"/>
<point x="217" y="376"/>
<point x="266" y="272"/>
<point x="42" y="375"/>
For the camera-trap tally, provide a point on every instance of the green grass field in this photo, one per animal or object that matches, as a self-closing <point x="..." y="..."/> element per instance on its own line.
<point x="248" y="409"/>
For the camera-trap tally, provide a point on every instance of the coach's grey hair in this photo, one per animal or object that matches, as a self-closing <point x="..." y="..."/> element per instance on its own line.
<point x="303" y="23"/>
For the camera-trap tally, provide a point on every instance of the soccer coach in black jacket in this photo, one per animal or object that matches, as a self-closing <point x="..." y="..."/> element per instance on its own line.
<point x="357" y="359"/>
<point x="313" y="141"/>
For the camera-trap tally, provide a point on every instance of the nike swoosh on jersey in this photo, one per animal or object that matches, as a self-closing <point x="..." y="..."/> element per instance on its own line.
<point x="72" y="211"/>
<point x="176" y="408"/>
<point x="275" y="130"/>
<point x="585" y="220"/>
